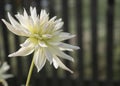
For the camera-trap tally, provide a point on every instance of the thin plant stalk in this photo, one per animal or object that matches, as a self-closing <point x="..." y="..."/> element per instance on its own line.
<point x="30" y="73"/>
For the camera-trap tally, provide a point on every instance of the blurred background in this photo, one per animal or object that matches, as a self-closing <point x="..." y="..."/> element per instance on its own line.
<point x="96" y="24"/>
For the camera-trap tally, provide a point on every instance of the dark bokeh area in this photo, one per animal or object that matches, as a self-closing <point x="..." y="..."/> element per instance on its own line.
<point x="96" y="24"/>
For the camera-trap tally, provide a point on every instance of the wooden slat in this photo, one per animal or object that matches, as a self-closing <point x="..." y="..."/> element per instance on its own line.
<point x="94" y="34"/>
<point x="65" y="18"/>
<point x="17" y="46"/>
<point x="109" y="48"/>
<point x="79" y="24"/>
<point x="38" y="5"/>
<point x="4" y="31"/>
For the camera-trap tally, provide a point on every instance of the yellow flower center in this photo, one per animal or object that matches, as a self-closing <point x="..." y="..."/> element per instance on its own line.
<point x="36" y="38"/>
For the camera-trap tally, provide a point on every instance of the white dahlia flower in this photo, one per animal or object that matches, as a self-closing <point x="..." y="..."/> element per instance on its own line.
<point x="44" y="37"/>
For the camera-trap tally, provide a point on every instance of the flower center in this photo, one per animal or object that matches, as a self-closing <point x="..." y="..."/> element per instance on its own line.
<point x="40" y="37"/>
<point x="37" y="36"/>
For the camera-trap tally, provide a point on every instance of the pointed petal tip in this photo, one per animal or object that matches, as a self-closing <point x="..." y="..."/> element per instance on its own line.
<point x="73" y="60"/>
<point x="51" y="63"/>
<point x="77" y="47"/>
<point x="38" y="70"/>
<point x="3" y="20"/>
<point x="71" y="71"/>
<point x="10" y="55"/>
<point x="8" y="13"/>
<point x="9" y="16"/>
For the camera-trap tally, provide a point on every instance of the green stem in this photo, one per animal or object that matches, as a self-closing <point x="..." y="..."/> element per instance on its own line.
<point x="30" y="73"/>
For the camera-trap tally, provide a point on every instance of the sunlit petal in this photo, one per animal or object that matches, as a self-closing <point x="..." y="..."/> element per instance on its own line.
<point x="59" y="25"/>
<point x="42" y="44"/>
<point x="68" y="47"/>
<point x="26" y="43"/>
<point x="16" y="24"/>
<point x="39" y="59"/>
<point x="4" y="67"/>
<point x="48" y="55"/>
<point x="23" y="51"/>
<point x="59" y="53"/>
<point x="55" y="63"/>
<point x="60" y="64"/>
<point x="65" y="36"/>
<point x="23" y="21"/>
<point x="6" y="76"/>
<point x="14" y="30"/>
<point x="34" y="14"/>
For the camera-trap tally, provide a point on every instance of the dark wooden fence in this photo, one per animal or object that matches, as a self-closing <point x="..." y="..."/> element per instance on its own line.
<point x="49" y="76"/>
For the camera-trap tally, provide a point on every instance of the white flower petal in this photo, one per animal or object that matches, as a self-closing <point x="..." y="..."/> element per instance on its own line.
<point x="4" y="82"/>
<point x="6" y="76"/>
<point x="47" y="36"/>
<point x="25" y="14"/>
<point x="52" y="19"/>
<point x="29" y="22"/>
<point x="23" y="20"/>
<point x="17" y="25"/>
<point x="59" y="53"/>
<point x="48" y="55"/>
<point x="26" y="43"/>
<point x="5" y="67"/>
<point x="57" y="63"/>
<point x="42" y="44"/>
<point x="33" y="14"/>
<point x="43" y="17"/>
<point x="12" y="20"/>
<point x="23" y="51"/>
<point x="54" y="43"/>
<point x="48" y="27"/>
<point x="64" y="36"/>
<point x="39" y="59"/>
<point x="14" y="30"/>
<point x="68" y="47"/>
<point x="58" y="25"/>
<point x="58" y="21"/>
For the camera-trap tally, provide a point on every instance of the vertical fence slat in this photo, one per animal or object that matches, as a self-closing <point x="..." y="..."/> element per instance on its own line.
<point x="79" y="24"/>
<point x="109" y="48"/>
<point x="17" y="44"/>
<point x="4" y="31"/>
<point x="38" y="3"/>
<point x="65" y="17"/>
<point x="94" y="35"/>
